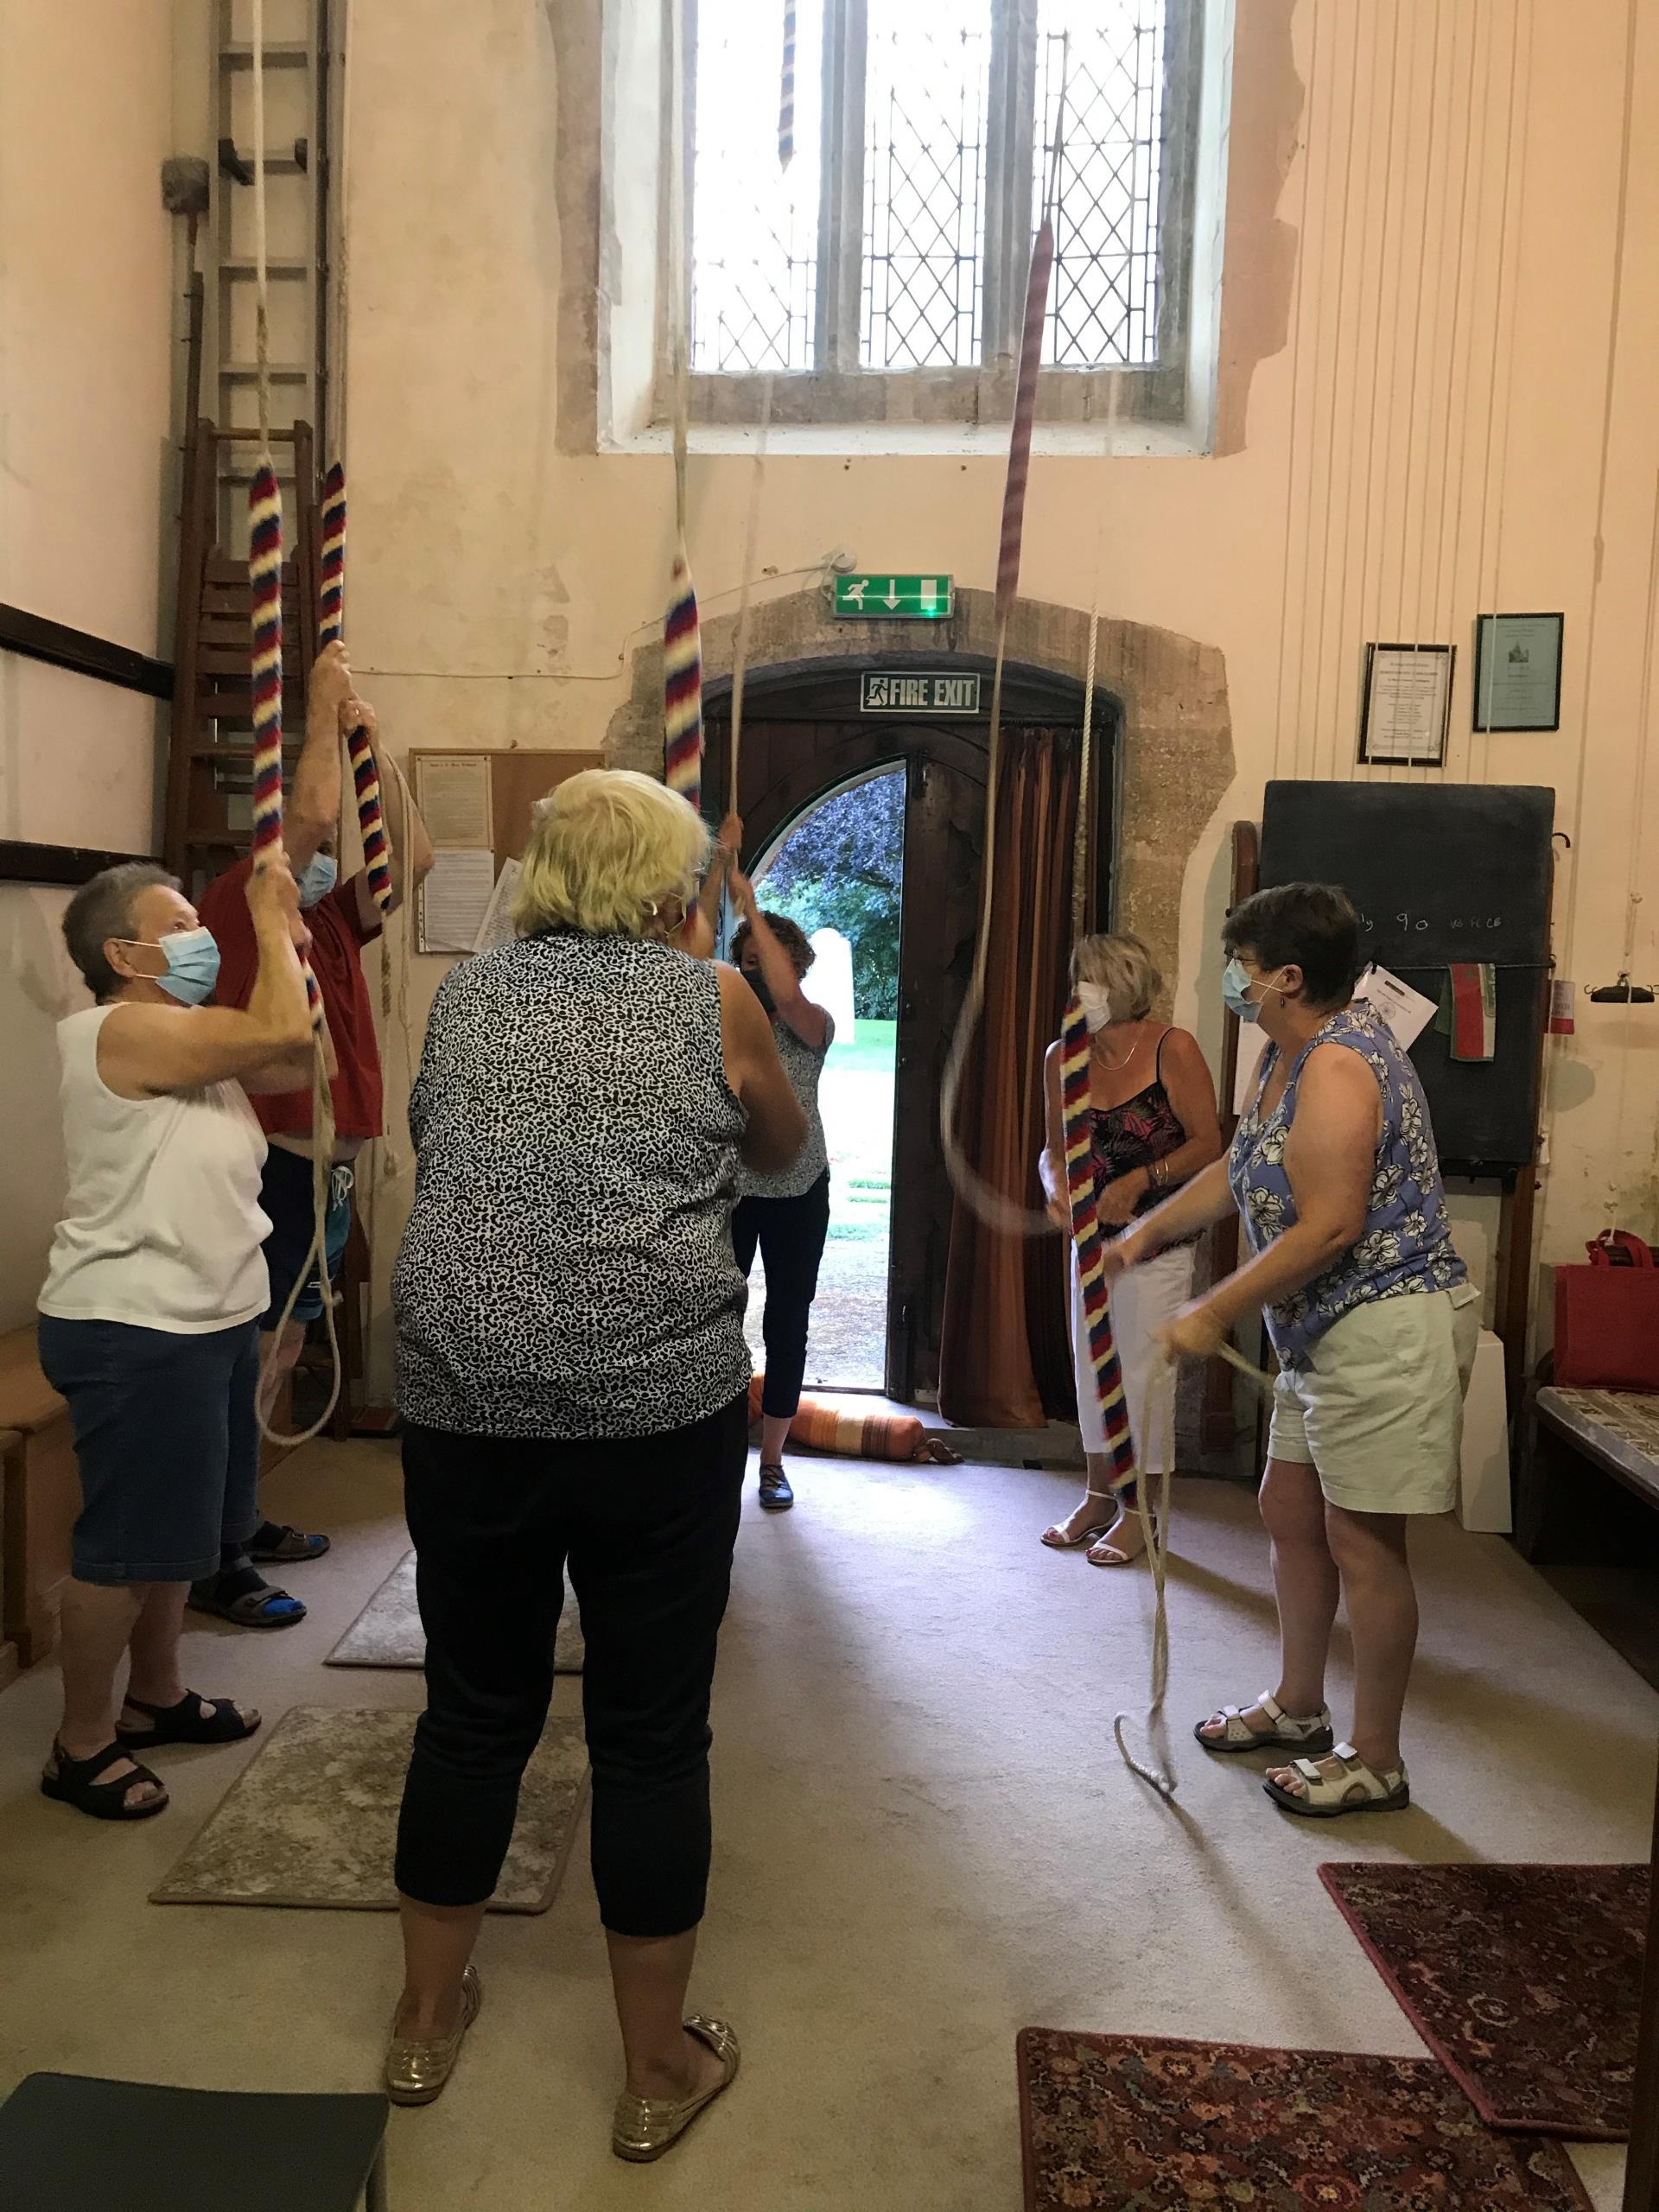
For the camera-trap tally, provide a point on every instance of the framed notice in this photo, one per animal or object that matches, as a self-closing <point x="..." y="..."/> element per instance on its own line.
<point x="1518" y="671"/>
<point x="1408" y="704"/>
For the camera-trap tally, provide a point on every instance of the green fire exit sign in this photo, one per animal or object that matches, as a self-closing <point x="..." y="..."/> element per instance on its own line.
<point x="896" y="599"/>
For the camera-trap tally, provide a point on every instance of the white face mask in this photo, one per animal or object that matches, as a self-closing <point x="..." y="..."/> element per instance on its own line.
<point x="1097" y="1003"/>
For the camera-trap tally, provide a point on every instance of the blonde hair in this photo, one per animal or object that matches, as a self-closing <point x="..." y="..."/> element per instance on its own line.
<point x="608" y="849"/>
<point x="1122" y="966"/>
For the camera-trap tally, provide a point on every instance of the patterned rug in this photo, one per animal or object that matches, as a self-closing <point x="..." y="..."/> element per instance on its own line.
<point x="313" y="1819"/>
<point x="387" y="1632"/>
<point x="1142" y="2123"/>
<point x="1524" y="1981"/>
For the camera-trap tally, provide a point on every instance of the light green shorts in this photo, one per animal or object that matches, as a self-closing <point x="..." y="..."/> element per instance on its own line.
<point x="1377" y="1408"/>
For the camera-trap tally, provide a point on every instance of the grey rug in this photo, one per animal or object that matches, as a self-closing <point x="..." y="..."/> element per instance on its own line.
<point x="312" y="1820"/>
<point x="387" y="1632"/>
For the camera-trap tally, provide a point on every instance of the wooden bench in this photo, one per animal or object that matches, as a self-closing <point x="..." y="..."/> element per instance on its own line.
<point x="1615" y="1430"/>
<point x="73" y="2143"/>
<point x="40" y="1496"/>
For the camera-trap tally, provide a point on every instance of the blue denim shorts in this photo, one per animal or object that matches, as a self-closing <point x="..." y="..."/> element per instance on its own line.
<point x="167" y="1440"/>
<point x="285" y="1194"/>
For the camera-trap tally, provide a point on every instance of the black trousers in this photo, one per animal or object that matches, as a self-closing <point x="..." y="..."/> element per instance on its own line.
<point x="790" y="1233"/>
<point x="648" y="1525"/>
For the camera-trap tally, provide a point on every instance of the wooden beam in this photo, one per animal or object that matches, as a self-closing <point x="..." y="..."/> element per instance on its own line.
<point x="37" y="638"/>
<point x="65" y="864"/>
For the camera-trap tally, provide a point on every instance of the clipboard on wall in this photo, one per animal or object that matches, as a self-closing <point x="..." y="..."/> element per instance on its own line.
<point x="475" y="804"/>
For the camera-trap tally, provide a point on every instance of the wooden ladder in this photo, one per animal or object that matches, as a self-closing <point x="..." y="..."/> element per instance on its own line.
<point x="209" y="819"/>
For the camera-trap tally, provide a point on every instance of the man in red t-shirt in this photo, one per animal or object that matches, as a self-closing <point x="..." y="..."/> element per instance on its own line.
<point x="342" y="919"/>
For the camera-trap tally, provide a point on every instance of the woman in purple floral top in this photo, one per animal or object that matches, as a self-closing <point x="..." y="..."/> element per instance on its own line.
<point x="1374" y="1323"/>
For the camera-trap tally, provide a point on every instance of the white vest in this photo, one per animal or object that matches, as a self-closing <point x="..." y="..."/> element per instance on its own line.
<point x="163" y="1227"/>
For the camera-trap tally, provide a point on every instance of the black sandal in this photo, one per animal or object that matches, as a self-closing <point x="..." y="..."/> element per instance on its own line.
<point x="776" y="1496"/>
<point x="76" y="1784"/>
<point x="185" y="1723"/>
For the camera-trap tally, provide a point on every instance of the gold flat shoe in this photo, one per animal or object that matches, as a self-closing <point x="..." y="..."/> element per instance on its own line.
<point x="416" y="2072"/>
<point x="646" y="2127"/>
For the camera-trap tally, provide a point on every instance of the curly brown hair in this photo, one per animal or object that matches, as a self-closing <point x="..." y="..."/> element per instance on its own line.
<point x="793" y="939"/>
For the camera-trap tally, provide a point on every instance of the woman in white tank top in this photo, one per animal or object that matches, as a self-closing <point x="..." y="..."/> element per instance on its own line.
<point x="151" y="1302"/>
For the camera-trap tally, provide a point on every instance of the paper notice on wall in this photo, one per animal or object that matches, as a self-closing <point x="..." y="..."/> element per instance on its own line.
<point x="455" y="897"/>
<point x="498" y="927"/>
<point x="1407" y="1012"/>
<point x="452" y="792"/>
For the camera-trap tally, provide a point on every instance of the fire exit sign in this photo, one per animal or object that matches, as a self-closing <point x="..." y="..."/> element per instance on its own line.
<point x="917" y="691"/>
<point x="893" y="599"/>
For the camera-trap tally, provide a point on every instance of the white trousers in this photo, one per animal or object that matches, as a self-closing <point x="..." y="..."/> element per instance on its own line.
<point x="1142" y="1299"/>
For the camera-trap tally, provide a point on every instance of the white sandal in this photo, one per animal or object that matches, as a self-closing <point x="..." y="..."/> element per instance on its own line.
<point x="1315" y="1733"/>
<point x="1057" y="1541"/>
<point x="1105" y="1555"/>
<point x="1356" y="1789"/>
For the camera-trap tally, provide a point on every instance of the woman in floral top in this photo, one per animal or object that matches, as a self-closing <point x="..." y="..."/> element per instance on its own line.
<point x="1374" y="1321"/>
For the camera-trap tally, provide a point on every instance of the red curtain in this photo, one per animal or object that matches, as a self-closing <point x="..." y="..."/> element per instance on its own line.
<point x="1005" y="1351"/>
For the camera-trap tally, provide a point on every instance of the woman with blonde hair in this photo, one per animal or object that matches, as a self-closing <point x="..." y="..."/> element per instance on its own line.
<point x="1154" y="1125"/>
<point x="573" y="1379"/>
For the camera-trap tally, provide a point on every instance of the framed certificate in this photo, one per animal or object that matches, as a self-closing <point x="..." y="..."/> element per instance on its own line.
<point x="1408" y="704"/>
<point x="1518" y="671"/>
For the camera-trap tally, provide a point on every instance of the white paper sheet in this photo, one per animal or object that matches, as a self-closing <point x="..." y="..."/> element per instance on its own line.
<point x="455" y="897"/>
<point x="452" y="792"/>
<point x="1407" y="1012"/>
<point x="497" y="926"/>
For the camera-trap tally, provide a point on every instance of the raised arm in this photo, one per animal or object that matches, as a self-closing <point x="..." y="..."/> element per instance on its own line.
<point x="145" y="1052"/>
<point x="777" y="1126"/>
<point x="312" y="810"/>
<point x="809" y="1022"/>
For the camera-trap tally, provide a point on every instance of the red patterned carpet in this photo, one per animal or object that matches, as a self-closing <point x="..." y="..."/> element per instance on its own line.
<point x="1524" y="1981"/>
<point x="1137" y="2124"/>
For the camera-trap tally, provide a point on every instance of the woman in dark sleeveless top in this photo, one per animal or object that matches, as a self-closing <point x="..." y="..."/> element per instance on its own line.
<point x="1153" y="1116"/>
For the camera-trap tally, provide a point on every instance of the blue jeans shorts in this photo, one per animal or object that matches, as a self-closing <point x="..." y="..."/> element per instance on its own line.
<point x="285" y="1194"/>
<point x="167" y="1440"/>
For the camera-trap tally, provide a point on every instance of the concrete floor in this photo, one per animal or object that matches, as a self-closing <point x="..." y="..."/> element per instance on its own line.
<point x="925" y="1839"/>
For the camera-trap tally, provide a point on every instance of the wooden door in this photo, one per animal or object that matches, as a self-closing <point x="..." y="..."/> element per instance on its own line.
<point x="944" y="829"/>
<point x="805" y="738"/>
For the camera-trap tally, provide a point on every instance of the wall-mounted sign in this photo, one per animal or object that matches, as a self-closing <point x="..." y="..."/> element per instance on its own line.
<point x="1518" y="671"/>
<point x="893" y="599"/>
<point x="917" y="691"/>
<point x="1408" y="704"/>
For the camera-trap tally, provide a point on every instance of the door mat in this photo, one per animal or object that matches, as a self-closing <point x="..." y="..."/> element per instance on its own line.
<point x="388" y="1632"/>
<point x="1524" y="1981"/>
<point x="1148" y="2124"/>
<point x="312" y="1822"/>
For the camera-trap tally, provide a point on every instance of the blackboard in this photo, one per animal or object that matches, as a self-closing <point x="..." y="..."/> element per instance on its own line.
<point x="1441" y="872"/>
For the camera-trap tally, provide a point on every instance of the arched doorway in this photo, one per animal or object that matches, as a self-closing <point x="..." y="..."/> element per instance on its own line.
<point x="806" y="734"/>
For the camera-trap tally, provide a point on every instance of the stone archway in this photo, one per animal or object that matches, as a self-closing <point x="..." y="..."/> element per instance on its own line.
<point x="1176" y="756"/>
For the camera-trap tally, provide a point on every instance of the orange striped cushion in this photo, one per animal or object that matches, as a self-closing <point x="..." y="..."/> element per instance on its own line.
<point x="856" y="1436"/>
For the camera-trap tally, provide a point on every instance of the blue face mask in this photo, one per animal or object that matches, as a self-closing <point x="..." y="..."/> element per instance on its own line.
<point x="192" y="960"/>
<point x="1236" y="985"/>
<point x="317" y="878"/>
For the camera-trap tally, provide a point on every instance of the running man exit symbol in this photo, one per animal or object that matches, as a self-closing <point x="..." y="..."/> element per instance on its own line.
<point x="896" y="599"/>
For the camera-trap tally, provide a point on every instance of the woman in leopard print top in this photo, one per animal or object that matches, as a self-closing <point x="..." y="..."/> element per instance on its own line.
<point x="573" y="1380"/>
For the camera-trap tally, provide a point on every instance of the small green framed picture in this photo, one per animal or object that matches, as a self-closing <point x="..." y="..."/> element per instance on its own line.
<point x="1518" y="671"/>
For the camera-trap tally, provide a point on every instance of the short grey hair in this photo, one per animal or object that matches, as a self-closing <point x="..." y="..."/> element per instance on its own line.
<point x="1123" y="966"/>
<point x="103" y="909"/>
